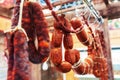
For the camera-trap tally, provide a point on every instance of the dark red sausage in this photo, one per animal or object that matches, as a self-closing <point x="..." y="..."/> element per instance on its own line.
<point x="41" y="28"/>
<point x="21" y="62"/>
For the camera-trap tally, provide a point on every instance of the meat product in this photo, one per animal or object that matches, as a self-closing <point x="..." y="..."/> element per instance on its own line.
<point x="64" y="67"/>
<point x="36" y="25"/>
<point x="81" y="35"/>
<point x="21" y="70"/>
<point x="56" y="38"/>
<point x="68" y="41"/>
<point x="56" y="56"/>
<point x="72" y="56"/>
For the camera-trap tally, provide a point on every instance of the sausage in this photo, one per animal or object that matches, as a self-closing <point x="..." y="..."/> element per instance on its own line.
<point x="64" y="67"/>
<point x="81" y="35"/>
<point x="84" y="67"/>
<point x="34" y="24"/>
<point x="56" y="56"/>
<point x="72" y="56"/>
<point x="21" y="68"/>
<point x="41" y="31"/>
<point x="68" y="41"/>
<point x="10" y="47"/>
<point x="56" y="59"/>
<point x="56" y="38"/>
<point x="100" y="67"/>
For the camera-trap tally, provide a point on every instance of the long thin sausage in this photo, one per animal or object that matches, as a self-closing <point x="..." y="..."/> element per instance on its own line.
<point x="41" y="27"/>
<point x="21" y="62"/>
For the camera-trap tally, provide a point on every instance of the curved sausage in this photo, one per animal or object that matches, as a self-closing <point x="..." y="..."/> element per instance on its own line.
<point x="35" y="25"/>
<point x="56" y="56"/>
<point x="41" y="30"/>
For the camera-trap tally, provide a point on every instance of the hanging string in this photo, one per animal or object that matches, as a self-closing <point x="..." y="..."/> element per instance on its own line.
<point x="20" y="14"/>
<point x="19" y="26"/>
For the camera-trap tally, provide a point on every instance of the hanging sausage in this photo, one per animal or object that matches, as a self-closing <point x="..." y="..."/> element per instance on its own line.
<point x="35" y="25"/>
<point x="21" y="69"/>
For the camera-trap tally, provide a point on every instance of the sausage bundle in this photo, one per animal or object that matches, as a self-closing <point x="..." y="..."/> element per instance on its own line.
<point x="71" y="56"/>
<point x="56" y="51"/>
<point x="35" y="25"/>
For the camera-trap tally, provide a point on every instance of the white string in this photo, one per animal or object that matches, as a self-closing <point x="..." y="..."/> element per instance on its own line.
<point x="19" y="26"/>
<point x="20" y="14"/>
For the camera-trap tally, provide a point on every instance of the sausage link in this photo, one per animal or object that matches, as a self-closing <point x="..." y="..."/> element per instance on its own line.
<point x="56" y="38"/>
<point x="64" y="67"/>
<point x="72" y="56"/>
<point x="56" y="56"/>
<point x="82" y="35"/>
<point x="21" y="61"/>
<point x="41" y="31"/>
<point x="68" y="41"/>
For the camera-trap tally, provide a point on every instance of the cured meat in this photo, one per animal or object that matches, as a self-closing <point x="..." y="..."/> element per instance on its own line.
<point x="68" y="41"/>
<point x="35" y="25"/>
<point x="21" y="69"/>
<point x="56" y="56"/>
<point x="64" y="67"/>
<point x="56" y="38"/>
<point x="81" y="35"/>
<point x="72" y="56"/>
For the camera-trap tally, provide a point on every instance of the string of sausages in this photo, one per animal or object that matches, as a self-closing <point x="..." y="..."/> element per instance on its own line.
<point x="72" y="56"/>
<point x="95" y="63"/>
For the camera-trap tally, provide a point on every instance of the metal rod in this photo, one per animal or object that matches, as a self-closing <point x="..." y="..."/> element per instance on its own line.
<point x="93" y="11"/>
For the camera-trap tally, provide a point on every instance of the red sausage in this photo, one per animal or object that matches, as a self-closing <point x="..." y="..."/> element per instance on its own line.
<point x="41" y="31"/>
<point x="21" y="62"/>
<point x="82" y="35"/>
